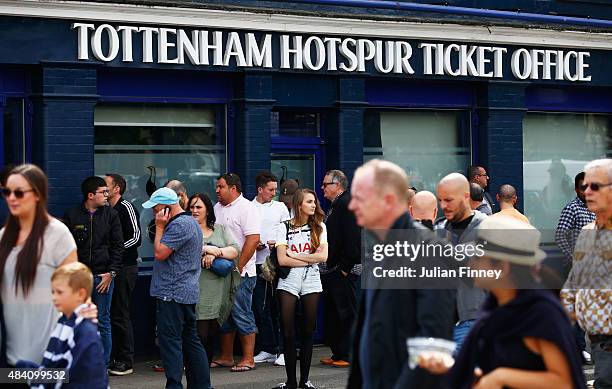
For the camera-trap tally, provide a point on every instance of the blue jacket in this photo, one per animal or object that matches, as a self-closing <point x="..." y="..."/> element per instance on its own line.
<point x="74" y="345"/>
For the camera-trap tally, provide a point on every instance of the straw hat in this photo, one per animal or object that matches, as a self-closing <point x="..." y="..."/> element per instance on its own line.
<point x="510" y="240"/>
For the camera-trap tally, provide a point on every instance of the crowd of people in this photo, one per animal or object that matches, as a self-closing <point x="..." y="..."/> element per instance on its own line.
<point x="260" y="267"/>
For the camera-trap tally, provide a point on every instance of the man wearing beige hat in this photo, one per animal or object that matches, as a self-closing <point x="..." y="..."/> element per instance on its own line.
<point x="588" y="290"/>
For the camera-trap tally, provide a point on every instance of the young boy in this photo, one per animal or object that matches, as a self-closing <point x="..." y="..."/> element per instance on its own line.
<point x="75" y="344"/>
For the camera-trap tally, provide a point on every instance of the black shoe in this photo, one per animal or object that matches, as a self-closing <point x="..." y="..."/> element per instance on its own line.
<point x="120" y="368"/>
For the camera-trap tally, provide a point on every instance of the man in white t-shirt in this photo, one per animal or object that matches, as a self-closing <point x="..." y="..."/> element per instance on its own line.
<point x="241" y="218"/>
<point x="272" y="214"/>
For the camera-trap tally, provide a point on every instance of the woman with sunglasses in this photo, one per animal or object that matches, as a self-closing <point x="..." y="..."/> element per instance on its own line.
<point x="301" y="245"/>
<point x="32" y="245"/>
<point x="216" y="292"/>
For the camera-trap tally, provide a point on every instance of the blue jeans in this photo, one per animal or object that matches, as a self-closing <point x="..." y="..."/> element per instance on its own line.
<point x="242" y="318"/>
<point x="601" y="352"/>
<point x="266" y="316"/>
<point x="179" y="345"/>
<point x="461" y="331"/>
<point x="103" y="302"/>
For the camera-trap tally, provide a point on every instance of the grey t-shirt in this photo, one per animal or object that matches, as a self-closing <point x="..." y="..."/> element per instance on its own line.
<point x="177" y="278"/>
<point x="30" y="319"/>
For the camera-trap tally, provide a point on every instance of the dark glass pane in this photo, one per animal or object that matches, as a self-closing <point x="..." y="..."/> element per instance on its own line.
<point x="149" y="144"/>
<point x="295" y="123"/>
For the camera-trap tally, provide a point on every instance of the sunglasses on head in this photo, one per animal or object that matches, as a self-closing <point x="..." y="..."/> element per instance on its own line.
<point x="19" y="193"/>
<point x="595" y="186"/>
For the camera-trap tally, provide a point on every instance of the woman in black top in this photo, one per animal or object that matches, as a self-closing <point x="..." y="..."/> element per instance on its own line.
<point x="523" y="338"/>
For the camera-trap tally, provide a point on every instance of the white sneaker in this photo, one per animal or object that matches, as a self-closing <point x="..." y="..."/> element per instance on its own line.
<point x="263" y="357"/>
<point x="586" y="356"/>
<point x="280" y="361"/>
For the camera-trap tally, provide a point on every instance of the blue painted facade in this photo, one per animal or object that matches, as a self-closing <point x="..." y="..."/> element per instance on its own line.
<point x="38" y="64"/>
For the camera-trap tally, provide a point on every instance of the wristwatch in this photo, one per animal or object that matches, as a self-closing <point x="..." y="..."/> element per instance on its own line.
<point x="113" y="274"/>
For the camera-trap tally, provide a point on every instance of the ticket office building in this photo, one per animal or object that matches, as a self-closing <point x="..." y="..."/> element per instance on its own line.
<point x="155" y="101"/>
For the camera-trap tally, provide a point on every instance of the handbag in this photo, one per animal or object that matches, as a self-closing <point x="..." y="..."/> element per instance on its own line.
<point x="271" y="269"/>
<point x="222" y="267"/>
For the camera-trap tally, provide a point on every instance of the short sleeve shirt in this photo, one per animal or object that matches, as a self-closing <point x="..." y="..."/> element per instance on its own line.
<point x="241" y="218"/>
<point x="177" y="277"/>
<point x="272" y="215"/>
<point x="298" y="239"/>
<point x="30" y="319"/>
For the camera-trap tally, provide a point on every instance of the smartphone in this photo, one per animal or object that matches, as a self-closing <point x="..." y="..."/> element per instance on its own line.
<point x="166" y="211"/>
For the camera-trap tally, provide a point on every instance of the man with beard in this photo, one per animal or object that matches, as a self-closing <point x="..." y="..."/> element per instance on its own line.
<point x="459" y="226"/>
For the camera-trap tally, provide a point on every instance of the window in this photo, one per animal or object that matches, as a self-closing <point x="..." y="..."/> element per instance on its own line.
<point x="556" y="147"/>
<point x="295" y="123"/>
<point x="427" y="144"/>
<point x="153" y="143"/>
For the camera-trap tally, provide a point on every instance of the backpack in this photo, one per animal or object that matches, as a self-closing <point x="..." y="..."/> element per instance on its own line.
<point x="271" y="269"/>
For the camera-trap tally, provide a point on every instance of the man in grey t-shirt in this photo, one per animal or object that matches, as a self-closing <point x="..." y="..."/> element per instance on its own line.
<point x="175" y="285"/>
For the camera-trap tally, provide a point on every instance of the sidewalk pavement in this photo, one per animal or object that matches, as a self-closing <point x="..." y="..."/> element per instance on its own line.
<point x="266" y="375"/>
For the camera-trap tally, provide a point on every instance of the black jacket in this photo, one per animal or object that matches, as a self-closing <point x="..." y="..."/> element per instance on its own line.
<point x="491" y="200"/>
<point x="395" y="315"/>
<point x="130" y="225"/>
<point x="343" y="235"/>
<point x="98" y="237"/>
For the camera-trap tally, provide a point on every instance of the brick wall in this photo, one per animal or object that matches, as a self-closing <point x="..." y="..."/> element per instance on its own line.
<point x="63" y="135"/>
<point x="501" y="113"/>
<point x="251" y="148"/>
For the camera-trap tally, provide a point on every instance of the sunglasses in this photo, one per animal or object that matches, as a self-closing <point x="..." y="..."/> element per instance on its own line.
<point x="19" y="193"/>
<point x="324" y="185"/>
<point x="595" y="186"/>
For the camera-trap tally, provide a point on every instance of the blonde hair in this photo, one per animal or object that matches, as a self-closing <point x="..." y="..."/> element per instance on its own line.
<point x="78" y="276"/>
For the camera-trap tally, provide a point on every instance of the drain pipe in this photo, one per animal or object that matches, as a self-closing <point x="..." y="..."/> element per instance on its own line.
<point x="464" y="11"/>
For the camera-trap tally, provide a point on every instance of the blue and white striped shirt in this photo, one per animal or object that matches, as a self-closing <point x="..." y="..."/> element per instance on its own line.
<point x="75" y="345"/>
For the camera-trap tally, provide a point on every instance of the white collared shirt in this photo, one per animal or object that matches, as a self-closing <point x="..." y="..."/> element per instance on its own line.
<point x="241" y="218"/>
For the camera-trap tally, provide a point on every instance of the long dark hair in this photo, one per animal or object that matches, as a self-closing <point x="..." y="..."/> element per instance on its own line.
<point x="210" y="211"/>
<point x="314" y="221"/>
<point x="29" y="256"/>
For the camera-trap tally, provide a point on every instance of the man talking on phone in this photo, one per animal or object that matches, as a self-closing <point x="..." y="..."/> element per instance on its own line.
<point x="175" y="285"/>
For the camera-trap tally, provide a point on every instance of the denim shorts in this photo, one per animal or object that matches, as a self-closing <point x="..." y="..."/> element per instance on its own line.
<point x="302" y="281"/>
<point x="242" y="319"/>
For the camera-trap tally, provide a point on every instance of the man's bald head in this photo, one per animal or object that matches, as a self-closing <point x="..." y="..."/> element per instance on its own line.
<point x="456" y="183"/>
<point x="454" y="197"/>
<point x="506" y="193"/>
<point x="424" y="206"/>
